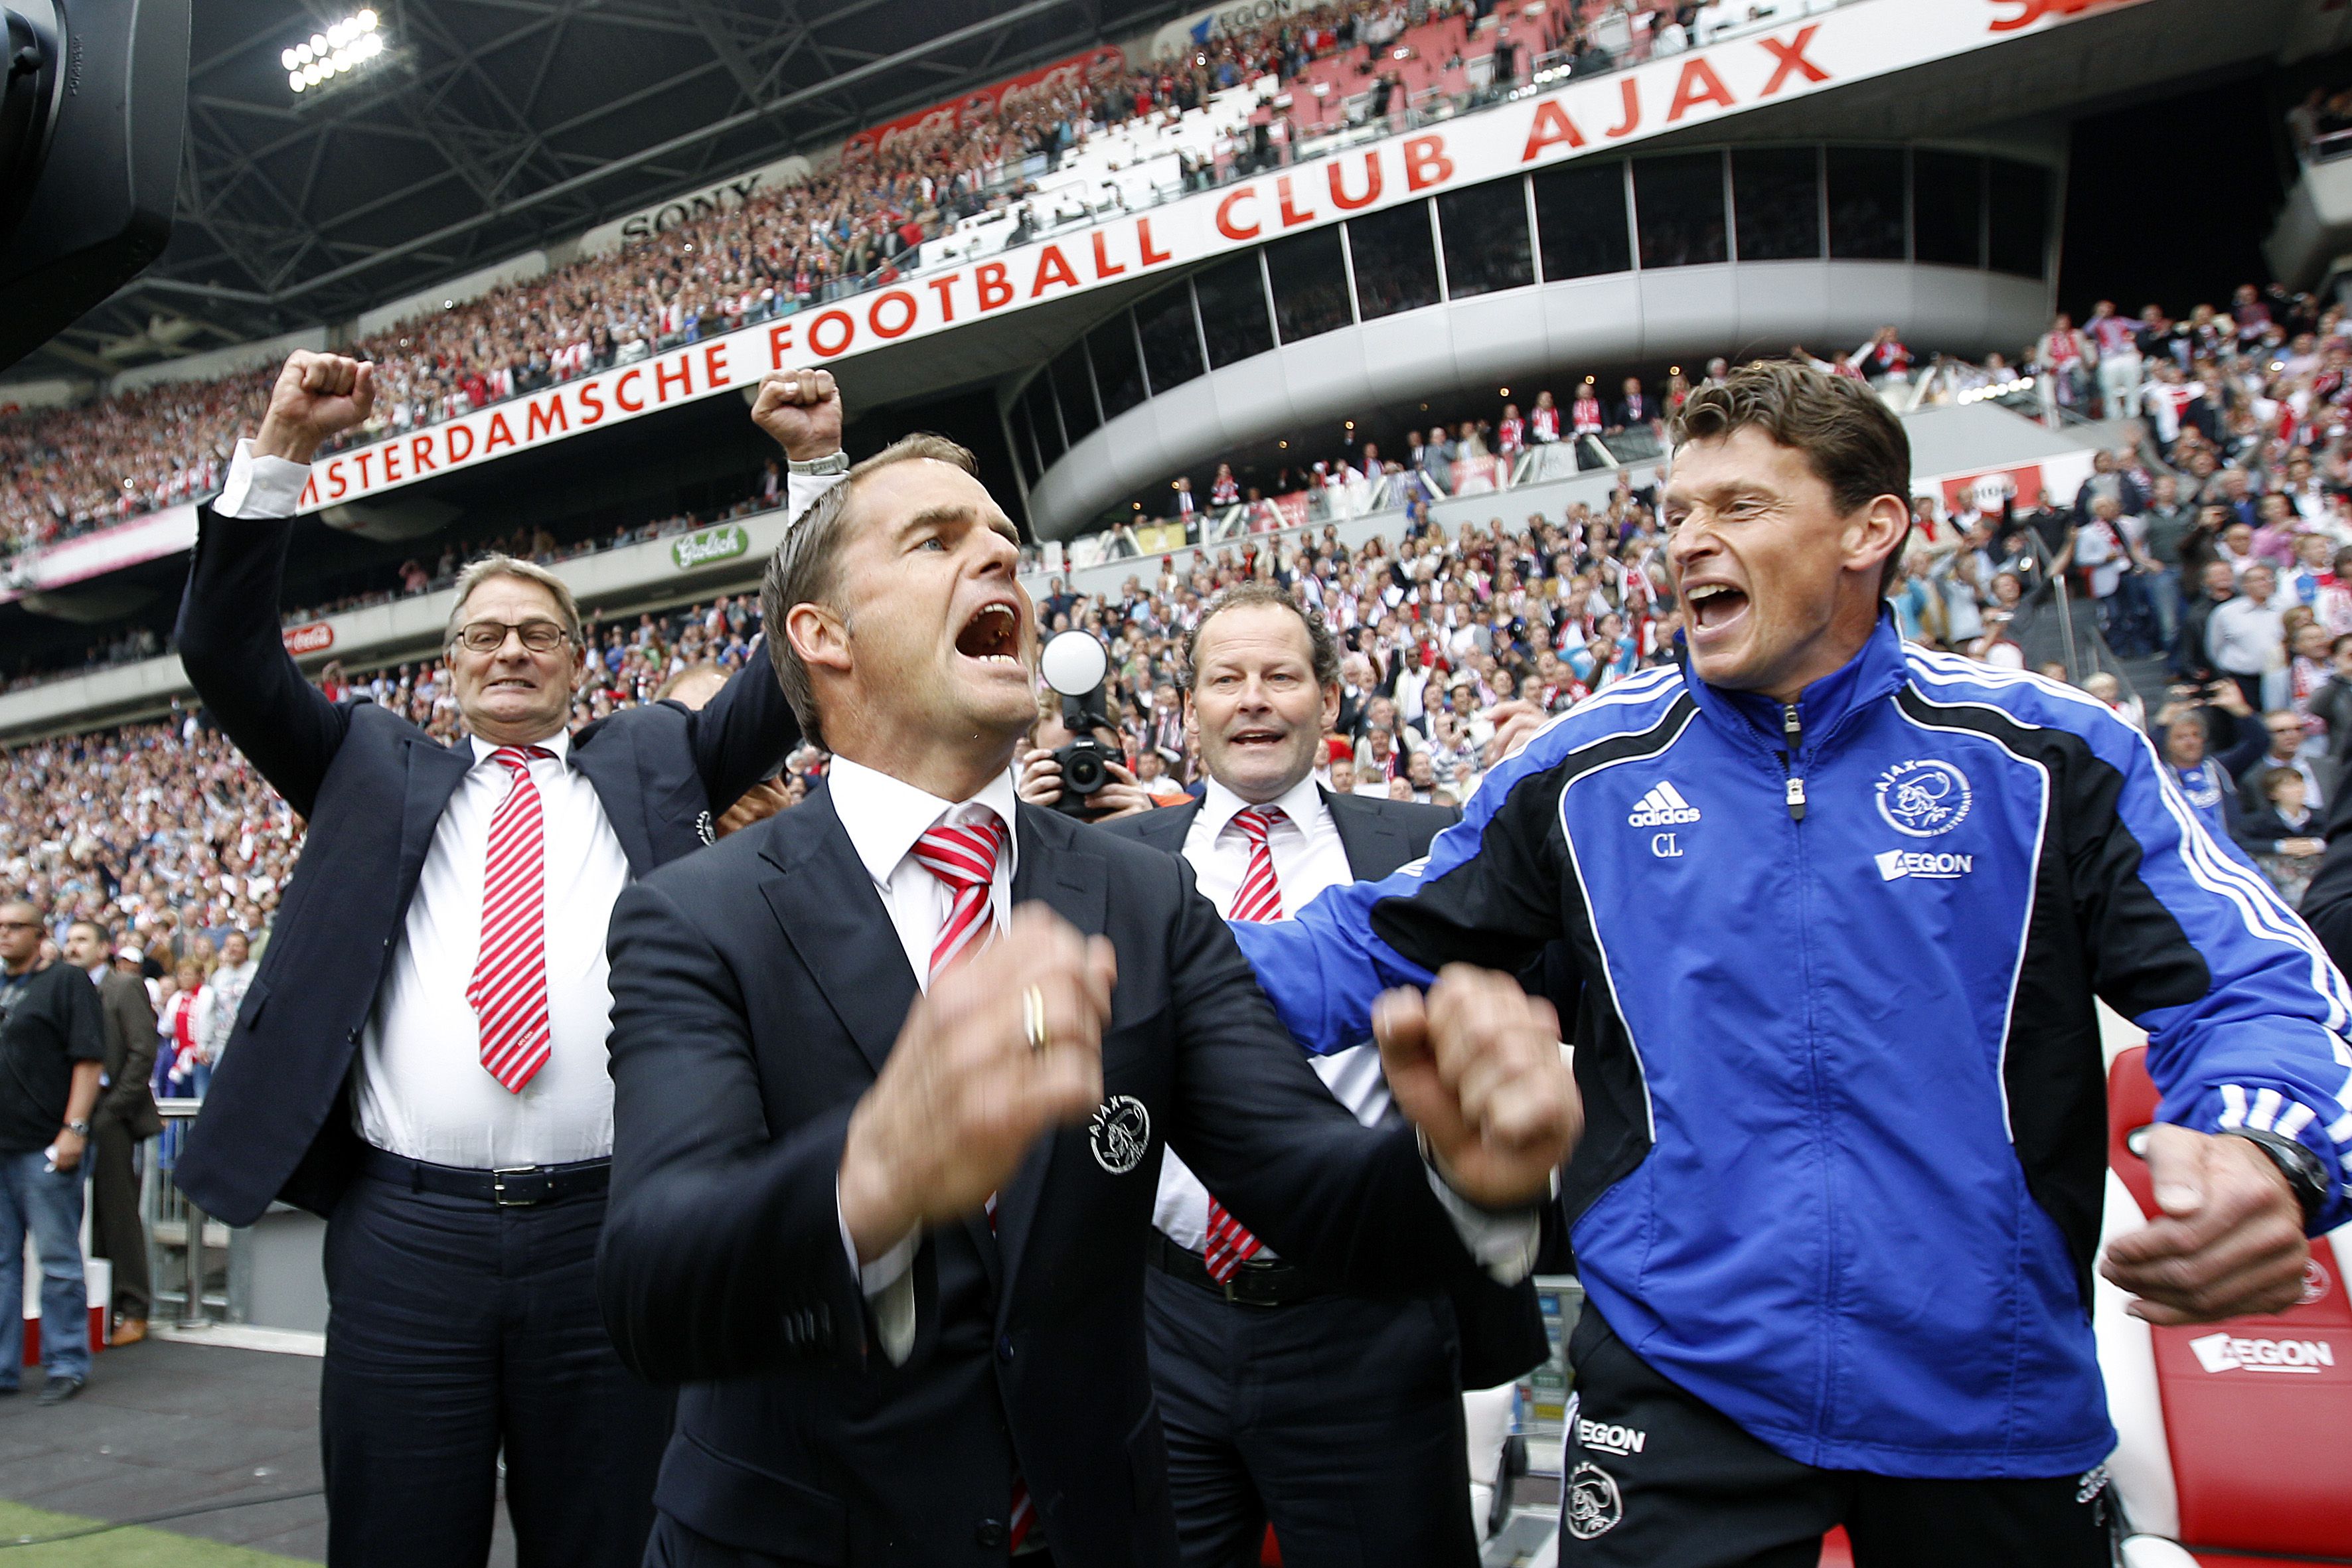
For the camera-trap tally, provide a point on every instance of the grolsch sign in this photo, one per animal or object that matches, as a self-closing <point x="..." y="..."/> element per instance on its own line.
<point x="712" y="544"/>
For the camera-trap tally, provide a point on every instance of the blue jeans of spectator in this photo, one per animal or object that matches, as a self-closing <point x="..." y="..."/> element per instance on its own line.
<point x="2165" y="588"/>
<point x="48" y="1204"/>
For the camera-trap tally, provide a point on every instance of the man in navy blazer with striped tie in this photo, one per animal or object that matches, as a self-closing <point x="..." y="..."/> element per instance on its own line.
<point x="881" y="1188"/>
<point x="422" y="1057"/>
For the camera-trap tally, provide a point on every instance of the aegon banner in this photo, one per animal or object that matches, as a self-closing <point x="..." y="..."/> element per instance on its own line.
<point x="1218" y="21"/>
<point x="1868" y="39"/>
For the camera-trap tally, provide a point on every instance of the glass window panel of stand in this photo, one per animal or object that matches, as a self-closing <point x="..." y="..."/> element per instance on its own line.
<point x="1678" y="209"/>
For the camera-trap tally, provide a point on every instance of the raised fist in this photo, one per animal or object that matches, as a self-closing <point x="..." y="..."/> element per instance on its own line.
<point x="317" y="395"/>
<point x="801" y="409"/>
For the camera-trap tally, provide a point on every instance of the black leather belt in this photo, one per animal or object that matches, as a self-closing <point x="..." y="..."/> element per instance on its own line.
<point x="516" y="1187"/>
<point x="1254" y="1284"/>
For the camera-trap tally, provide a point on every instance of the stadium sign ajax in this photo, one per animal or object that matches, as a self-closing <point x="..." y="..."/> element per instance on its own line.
<point x="711" y="544"/>
<point x="1582" y="116"/>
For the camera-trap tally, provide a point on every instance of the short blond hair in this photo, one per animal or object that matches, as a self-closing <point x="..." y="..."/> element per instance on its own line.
<point x="805" y="566"/>
<point x="479" y="572"/>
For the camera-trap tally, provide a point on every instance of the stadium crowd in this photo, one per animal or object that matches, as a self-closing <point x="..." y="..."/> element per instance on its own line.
<point x="2219" y="538"/>
<point x="2222" y="541"/>
<point x="68" y="472"/>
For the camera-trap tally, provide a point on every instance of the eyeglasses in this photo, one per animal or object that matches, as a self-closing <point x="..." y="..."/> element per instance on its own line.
<point x="488" y="637"/>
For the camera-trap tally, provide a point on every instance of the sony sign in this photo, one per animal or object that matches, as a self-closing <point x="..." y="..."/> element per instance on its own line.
<point x="725" y="196"/>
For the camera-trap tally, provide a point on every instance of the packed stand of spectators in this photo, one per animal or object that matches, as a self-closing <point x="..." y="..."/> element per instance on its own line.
<point x="167" y="836"/>
<point x="68" y="472"/>
<point x="424" y="574"/>
<point x="2217" y="538"/>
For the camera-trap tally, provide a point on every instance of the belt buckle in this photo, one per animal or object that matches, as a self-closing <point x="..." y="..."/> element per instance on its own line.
<point x="498" y="1188"/>
<point x="1259" y="1297"/>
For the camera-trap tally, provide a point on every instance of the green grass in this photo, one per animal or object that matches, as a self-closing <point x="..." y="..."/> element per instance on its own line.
<point x="128" y="1548"/>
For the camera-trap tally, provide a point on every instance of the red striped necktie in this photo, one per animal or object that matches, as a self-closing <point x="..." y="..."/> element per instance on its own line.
<point x="509" y="987"/>
<point x="964" y="857"/>
<point x="1229" y="1245"/>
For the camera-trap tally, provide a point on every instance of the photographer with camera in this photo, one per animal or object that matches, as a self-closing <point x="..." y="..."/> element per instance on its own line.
<point x="1074" y="764"/>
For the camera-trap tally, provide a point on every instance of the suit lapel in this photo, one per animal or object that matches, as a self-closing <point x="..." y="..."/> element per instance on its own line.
<point x="435" y="772"/>
<point x="825" y="902"/>
<point x="1375" y="847"/>
<point x="1054" y="871"/>
<point x="609" y="763"/>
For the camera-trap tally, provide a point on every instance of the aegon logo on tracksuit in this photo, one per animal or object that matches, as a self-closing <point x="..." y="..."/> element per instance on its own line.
<point x="1894" y="865"/>
<point x="1610" y="1439"/>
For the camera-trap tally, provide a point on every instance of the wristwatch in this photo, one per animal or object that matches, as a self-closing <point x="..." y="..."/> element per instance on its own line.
<point x="831" y="463"/>
<point x="2304" y="1171"/>
<point x="79" y="1129"/>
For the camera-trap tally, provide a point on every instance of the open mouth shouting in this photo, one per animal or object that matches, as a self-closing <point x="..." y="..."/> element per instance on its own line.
<point x="992" y="636"/>
<point x="1714" y="608"/>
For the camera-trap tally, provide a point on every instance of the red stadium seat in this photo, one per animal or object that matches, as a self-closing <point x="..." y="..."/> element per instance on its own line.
<point x="2233" y="1437"/>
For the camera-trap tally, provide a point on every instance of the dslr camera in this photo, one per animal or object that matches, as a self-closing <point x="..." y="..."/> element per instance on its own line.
<point x="1074" y="665"/>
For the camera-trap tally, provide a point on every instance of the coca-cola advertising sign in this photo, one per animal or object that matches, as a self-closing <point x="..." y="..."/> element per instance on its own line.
<point x="980" y="105"/>
<point x="314" y="636"/>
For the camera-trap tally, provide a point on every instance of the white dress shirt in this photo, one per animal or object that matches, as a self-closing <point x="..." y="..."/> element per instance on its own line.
<point x="422" y="1090"/>
<point x="884" y="818"/>
<point x="1308" y="859"/>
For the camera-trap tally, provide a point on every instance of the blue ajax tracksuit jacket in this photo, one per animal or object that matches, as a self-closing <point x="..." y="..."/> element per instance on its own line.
<point x="1844" y="1157"/>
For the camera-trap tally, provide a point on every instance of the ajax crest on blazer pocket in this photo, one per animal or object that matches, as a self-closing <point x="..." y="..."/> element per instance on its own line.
<point x="1121" y="1133"/>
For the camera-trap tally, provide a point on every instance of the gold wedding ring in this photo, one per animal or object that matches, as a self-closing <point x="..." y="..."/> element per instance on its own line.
<point x="1032" y="1017"/>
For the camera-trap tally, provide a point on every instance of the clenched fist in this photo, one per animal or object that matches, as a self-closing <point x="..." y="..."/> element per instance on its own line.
<point x="317" y="395"/>
<point x="2229" y="1241"/>
<point x="1476" y="1065"/>
<point x="801" y="409"/>
<point x="963" y="1096"/>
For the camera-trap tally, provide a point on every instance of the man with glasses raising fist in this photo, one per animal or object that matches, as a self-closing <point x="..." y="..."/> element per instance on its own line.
<point x="443" y="1101"/>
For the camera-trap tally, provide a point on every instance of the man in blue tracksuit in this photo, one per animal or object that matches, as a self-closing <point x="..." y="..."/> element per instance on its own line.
<point x="1839" y="906"/>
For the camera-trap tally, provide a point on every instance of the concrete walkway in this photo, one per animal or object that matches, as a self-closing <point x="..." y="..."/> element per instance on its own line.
<point x="168" y="1427"/>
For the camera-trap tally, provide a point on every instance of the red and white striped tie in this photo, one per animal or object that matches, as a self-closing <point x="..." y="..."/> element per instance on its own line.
<point x="510" y="988"/>
<point x="964" y="857"/>
<point x="1230" y="1243"/>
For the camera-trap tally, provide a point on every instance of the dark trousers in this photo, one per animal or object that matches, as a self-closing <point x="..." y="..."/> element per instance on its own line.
<point x="675" y="1546"/>
<point x="1659" y="1479"/>
<point x="457" y="1332"/>
<point x="1338" y="1419"/>
<point x="115" y="1231"/>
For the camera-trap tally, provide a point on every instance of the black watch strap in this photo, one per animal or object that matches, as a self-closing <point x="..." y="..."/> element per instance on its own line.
<point x="2305" y="1171"/>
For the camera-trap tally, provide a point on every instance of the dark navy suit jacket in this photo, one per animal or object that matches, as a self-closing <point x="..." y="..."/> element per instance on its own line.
<point x="277" y="1122"/>
<point x="1500" y="1327"/>
<point x="757" y="989"/>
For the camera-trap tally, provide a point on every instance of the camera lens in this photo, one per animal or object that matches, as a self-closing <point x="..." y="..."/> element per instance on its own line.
<point x="1081" y="768"/>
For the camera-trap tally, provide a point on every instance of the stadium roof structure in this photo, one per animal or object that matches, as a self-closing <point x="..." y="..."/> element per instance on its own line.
<point x="487" y="128"/>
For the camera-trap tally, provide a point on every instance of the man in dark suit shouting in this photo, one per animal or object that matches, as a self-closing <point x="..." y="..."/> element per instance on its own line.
<point x="882" y="1185"/>
<point x="1335" y="1414"/>
<point x="420" y="1059"/>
